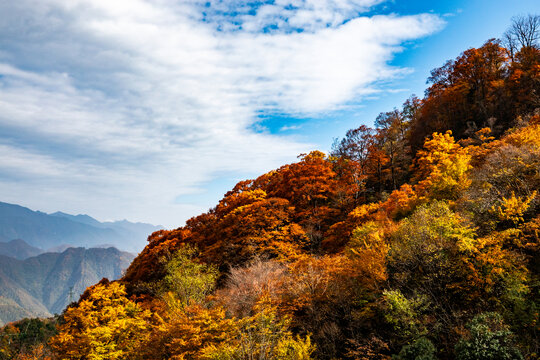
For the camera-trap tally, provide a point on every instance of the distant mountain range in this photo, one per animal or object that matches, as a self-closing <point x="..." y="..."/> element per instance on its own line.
<point x="60" y="230"/>
<point x="42" y="285"/>
<point x="48" y="260"/>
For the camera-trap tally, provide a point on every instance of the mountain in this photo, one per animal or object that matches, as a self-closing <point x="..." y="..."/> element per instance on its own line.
<point x="43" y="285"/>
<point x="124" y="228"/>
<point x="46" y="231"/>
<point x="19" y="249"/>
<point x="83" y="219"/>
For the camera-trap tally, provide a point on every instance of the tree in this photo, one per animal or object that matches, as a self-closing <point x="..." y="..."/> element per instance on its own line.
<point x="309" y="185"/>
<point x="523" y="81"/>
<point x="103" y="325"/>
<point x="263" y="336"/>
<point x="488" y="339"/>
<point x="263" y="228"/>
<point x="247" y="285"/>
<point x="356" y="148"/>
<point x="441" y="168"/>
<point x="392" y="127"/>
<point x="524" y="32"/>
<point x="405" y="315"/>
<point x="424" y="258"/>
<point x="466" y="94"/>
<point x="189" y="334"/>
<point x="420" y="349"/>
<point x="188" y="280"/>
<point x="27" y="338"/>
<point x="504" y="187"/>
<point x="368" y="249"/>
<point x="355" y="145"/>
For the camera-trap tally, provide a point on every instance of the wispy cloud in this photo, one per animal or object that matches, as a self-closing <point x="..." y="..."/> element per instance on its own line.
<point x="118" y="107"/>
<point x="290" y="127"/>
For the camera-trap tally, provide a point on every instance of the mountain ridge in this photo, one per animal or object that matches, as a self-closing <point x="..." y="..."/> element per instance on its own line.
<point x="46" y="231"/>
<point x="19" y="249"/>
<point x="42" y="285"/>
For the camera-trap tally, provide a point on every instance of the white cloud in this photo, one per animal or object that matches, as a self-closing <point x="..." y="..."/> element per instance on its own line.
<point x="282" y="15"/>
<point x="290" y="127"/>
<point x="115" y="108"/>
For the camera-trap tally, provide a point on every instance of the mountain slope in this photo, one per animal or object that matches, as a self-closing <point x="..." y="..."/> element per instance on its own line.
<point x="19" y="249"/>
<point x="45" y="284"/>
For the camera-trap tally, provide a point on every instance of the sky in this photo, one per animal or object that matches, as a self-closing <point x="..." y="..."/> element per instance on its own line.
<point x="151" y="110"/>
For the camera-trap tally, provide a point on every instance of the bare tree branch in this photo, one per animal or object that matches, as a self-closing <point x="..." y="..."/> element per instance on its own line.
<point x="525" y="31"/>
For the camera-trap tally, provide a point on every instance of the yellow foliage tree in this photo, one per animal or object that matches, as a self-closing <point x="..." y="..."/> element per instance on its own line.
<point x="188" y="334"/>
<point x="512" y="208"/>
<point x="368" y="249"/>
<point x="104" y="325"/>
<point x="263" y="336"/>
<point x="442" y="168"/>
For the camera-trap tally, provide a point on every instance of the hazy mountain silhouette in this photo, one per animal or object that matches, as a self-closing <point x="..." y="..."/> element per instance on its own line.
<point x="47" y="231"/>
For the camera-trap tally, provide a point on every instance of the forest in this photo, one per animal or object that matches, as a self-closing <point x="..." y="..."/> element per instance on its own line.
<point x="415" y="239"/>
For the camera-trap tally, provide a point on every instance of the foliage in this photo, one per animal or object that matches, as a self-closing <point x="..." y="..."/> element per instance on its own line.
<point x="266" y="336"/>
<point x="425" y="251"/>
<point x="368" y="249"/>
<point x="420" y="349"/>
<point x="513" y="208"/>
<point x="442" y="166"/>
<point x="405" y="315"/>
<point x="26" y="338"/>
<point x="103" y="325"/>
<point x="188" y="280"/>
<point x="189" y="334"/>
<point x="488" y="339"/>
<point x="246" y="286"/>
<point x="261" y="336"/>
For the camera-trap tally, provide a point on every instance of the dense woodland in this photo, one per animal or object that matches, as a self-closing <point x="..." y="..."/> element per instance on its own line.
<point x="416" y="239"/>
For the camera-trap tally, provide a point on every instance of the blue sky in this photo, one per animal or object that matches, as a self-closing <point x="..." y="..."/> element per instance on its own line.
<point x="151" y="110"/>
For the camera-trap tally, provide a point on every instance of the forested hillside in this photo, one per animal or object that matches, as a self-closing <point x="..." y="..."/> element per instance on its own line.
<point x="416" y="239"/>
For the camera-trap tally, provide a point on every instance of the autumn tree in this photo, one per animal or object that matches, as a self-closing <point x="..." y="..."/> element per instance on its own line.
<point x="27" y="338"/>
<point x="504" y="187"/>
<point x="368" y="248"/>
<point x="441" y="168"/>
<point x="309" y="186"/>
<point x="466" y="94"/>
<point x="523" y="81"/>
<point x="356" y="147"/>
<point x="424" y="262"/>
<point x="249" y="284"/>
<point x="187" y="333"/>
<point x="262" y="336"/>
<point x="105" y="324"/>
<point x="187" y="279"/>
<point x="392" y="127"/>
<point x="149" y="266"/>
